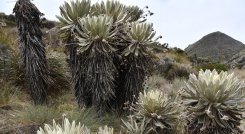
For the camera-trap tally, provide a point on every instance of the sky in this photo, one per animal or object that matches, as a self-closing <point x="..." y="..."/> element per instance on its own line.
<point x="180" y="22"/>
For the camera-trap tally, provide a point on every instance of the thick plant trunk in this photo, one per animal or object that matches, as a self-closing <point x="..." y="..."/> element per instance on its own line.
<point x="71" y="49"/>
<point x="95" y="78"/>
<point x="131" y="79"/>
<point x="32" y="49"/>
<point x="83" y="96"/>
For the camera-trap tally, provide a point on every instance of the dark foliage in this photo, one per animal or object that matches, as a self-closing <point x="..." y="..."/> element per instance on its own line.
<point x="211" y="66"/>
<point x="32" y="49"/>
<point x="177" y="71"/>
<point x="72" y="50"/>
<point x="8" y="19"/>
<point x="47" y="24"/>
<point x="196" y="128"/>
<point x="134" y="70"/>
<point x="83" y="97"/>
<point x="59" y="81"/>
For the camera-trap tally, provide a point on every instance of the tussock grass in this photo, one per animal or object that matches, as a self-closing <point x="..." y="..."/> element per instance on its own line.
<point x="86" y="116"/>
<point x="168" y="87"/>
<point x="10" y="95"/>
<point x="39" y="115"/>
<point x="7" y="39"/>
<point x="240" y="73"/>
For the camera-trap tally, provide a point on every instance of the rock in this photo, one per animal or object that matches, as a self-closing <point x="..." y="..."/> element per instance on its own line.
<point x="164" y="64"/>
<point x="170" y="69"/>
<point x="237" y="60"/>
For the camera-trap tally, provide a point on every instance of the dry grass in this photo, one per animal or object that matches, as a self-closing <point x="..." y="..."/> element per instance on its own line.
<point x="178" y="57"/>
<point x="159" y="82"/>
<point x="240" y="73"/>
<point x="8" y="38"/>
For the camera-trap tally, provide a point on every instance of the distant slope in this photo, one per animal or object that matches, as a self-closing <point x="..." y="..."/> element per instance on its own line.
<point x="215" y="46"/>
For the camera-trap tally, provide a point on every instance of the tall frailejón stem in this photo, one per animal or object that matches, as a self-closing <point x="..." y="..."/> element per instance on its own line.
<point x="32" y="49"/>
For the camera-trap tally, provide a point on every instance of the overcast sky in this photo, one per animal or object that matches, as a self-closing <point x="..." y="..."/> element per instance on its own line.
<point x="180" y="22"/>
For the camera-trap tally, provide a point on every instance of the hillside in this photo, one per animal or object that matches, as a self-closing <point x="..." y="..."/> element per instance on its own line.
<point x="216" y="47"/>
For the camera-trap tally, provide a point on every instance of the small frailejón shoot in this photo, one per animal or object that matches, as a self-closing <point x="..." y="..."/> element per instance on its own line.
<point x="72" y="128"/>
<point x="66" y="128"/>
<point x="155" y="112"/>
<point x="213" y="103"/>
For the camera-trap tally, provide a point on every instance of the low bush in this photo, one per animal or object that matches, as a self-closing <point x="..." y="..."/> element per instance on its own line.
<point x="176" y="70"/>
<point x="212" y="66"/>
<point x="9" y="94"/>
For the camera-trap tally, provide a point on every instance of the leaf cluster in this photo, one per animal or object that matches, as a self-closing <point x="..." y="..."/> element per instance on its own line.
<point x="213" y="102"/>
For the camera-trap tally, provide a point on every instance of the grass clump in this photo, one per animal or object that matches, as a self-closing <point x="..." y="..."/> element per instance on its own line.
<point x="9" y="95"/>
<point x="39" y="115"/>
<point x="7" y="39"/>
<point x="86" y="116"/>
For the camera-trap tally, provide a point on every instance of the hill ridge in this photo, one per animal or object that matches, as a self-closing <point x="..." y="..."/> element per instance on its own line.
<point x="216" y="46"/>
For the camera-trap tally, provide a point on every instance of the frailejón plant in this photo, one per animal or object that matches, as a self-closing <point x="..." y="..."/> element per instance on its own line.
<point x="32" y="49"/>
<point x="213" y="102"/>
<point x="65" y="128"/>
<point x="159" y="114"/>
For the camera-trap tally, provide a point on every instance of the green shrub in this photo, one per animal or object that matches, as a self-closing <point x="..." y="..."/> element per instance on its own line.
<point x="214" y="103"/>
<point x="211" y="66"/>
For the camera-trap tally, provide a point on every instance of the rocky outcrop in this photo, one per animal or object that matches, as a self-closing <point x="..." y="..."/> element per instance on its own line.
<point x="237" y="61"/>
<point x="216" y="47"/>
<point x="170" y="69"/>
